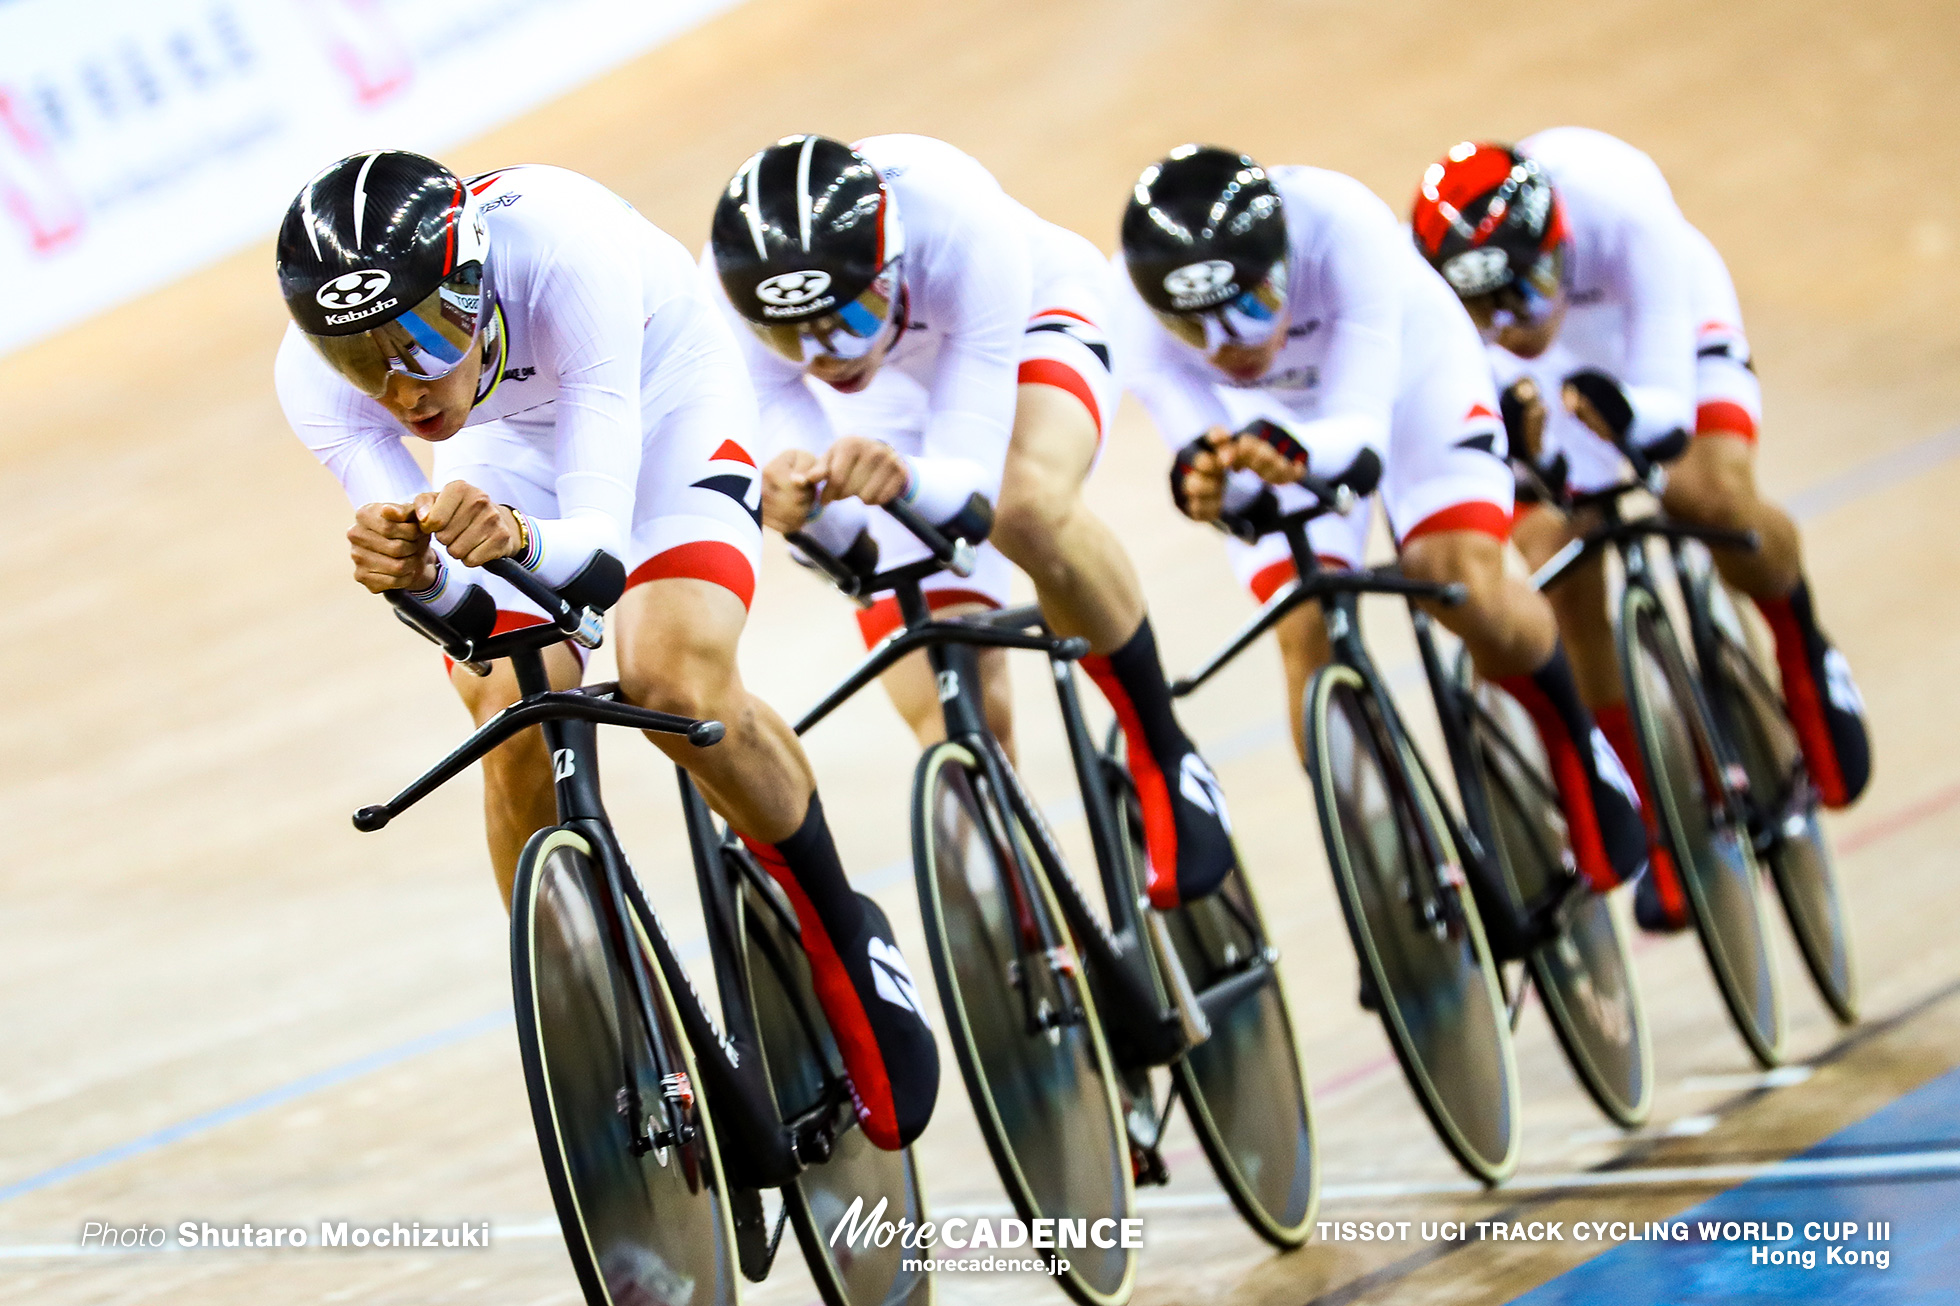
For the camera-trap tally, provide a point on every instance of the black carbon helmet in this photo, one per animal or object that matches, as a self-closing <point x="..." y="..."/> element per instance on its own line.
<point x="1204" y="228"/>
<point x="807" y="242"/>
<point x="383" y="259"/>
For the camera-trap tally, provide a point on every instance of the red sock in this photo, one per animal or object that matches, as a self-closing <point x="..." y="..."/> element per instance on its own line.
<point x="1617" y="725"/>
<point x="1569" y="777"/>
<point x="1803" y="697"/>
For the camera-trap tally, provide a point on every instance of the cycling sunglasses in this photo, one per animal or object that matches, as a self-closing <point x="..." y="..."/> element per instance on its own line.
<point x="426" y="343"/>
<point x="849" y="332"/>
<point x="1528" y="301"/>
<point x="1247" y="319"/>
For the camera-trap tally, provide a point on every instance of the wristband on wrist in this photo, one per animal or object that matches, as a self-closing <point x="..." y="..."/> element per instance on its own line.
<point x="528" y="552"/>
<point x="434" y="592"/>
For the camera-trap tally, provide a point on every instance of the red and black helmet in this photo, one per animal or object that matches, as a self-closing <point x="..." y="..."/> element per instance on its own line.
<point x="1488" y="219"/>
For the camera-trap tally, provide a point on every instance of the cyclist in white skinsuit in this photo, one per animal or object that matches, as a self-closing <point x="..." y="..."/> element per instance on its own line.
<point x="592" y="420"/>
<point x="914" y="330"/>
<point x="1595" y="290"/>
<point x="1291" y="296"/>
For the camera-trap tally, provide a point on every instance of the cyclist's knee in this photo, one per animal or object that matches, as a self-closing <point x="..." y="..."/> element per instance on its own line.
<point x="1713" y="484"/>
<point x="1467" y="558"/>
<point x="1028" y="521"/>
<point x="677" y="649"/>
<point x="700" y="688"/>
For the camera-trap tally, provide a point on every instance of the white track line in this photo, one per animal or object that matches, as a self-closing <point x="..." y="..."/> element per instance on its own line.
<point x="1813" y="1168"/>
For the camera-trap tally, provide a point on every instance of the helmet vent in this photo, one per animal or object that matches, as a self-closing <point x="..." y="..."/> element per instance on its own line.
<point x="360" y="195"/>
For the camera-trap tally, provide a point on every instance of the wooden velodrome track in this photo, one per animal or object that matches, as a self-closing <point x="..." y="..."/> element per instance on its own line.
<point x="191" y="932"/>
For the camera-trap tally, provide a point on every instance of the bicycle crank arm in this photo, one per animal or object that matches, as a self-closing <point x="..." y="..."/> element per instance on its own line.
<point x="811" y="1136"/>
<point x="1218" y="1000"/>
<point x="1193" y="1020"/>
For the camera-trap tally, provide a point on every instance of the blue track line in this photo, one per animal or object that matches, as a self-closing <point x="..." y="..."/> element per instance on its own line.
<point x="265" y="1101"/>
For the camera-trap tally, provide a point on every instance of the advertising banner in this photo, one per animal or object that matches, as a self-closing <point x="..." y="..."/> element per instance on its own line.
<point x="140" y="139"/>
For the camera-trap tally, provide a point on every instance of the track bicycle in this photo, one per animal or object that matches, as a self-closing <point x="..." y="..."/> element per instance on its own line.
<point x="1696" y="774"/>
<point x="1059" y="1013"/>
<point x="1397" y="855"/>
<point x="1781" y="800"/>
<point x="659" y="1129"/>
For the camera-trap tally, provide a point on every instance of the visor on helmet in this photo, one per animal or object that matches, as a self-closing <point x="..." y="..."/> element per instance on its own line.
<point x="849" y="332"/>
<point x="1524" y="301"/>
<point x="427" y="342"/>
<point x="1247" y="319"/>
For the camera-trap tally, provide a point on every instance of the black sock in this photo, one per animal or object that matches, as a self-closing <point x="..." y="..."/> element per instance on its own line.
<point x="810" y="857"/>
<point x="1560" y="687"/>
<point x="1132" y="677"/>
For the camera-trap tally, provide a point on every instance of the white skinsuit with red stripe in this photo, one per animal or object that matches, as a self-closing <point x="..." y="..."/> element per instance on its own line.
<point x="1650" y="303"/>
<point x="1379" y="354"/>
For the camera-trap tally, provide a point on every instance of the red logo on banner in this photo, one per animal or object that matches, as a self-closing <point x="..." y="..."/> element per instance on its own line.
<point x="32" y="188"/>
<point x="366" y="48"/>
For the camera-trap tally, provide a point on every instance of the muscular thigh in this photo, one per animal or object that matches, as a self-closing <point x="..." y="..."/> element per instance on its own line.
<point x="1053" y="449"/>
<point x="677" y="642"/>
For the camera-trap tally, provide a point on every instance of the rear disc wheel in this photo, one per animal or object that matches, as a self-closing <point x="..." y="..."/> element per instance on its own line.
<point x="1242" y="1088"/>
<point x="1585" y="974"/>
<point x="1799" y="855"/>
<point x="859" y="1181"/>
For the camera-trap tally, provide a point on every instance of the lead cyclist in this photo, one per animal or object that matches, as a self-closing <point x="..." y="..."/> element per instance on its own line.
<point x="1609" y="317"/>
<point x="592" y="421"/>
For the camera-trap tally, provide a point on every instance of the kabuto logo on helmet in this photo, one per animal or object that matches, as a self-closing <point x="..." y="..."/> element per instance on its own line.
<point x="793" y="290"/>
<point x="1477" y="271"/>
<point x="353" y="289"/>
<point x="1200" y="285"/>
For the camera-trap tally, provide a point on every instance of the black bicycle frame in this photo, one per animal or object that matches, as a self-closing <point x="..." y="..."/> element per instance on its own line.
<point x="1338" y="593"/>
<point x="1627" y="537"/>
<point x="760" y="1149"/>
<point x="1142" y="1029"/>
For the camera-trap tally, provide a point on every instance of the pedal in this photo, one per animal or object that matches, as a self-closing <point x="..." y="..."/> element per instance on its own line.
<point x="752" y="1249"/>
<point x="1147" y="1168"/>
